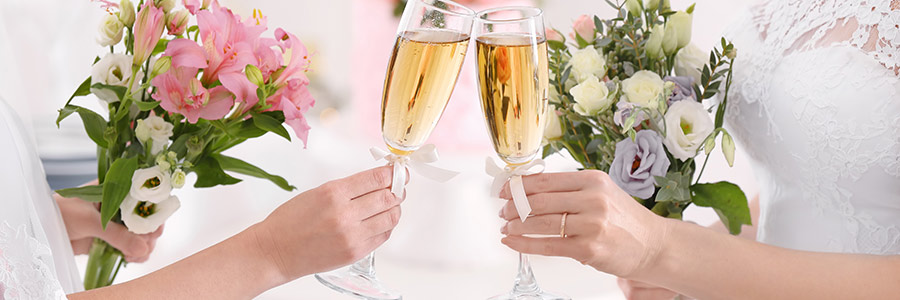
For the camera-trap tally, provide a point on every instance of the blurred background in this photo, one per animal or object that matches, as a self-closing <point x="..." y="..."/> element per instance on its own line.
<point x="447" y="244"/>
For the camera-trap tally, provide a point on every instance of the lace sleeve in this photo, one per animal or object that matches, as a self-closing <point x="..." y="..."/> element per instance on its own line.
<point x="24" y="272"/>
<point x="872" y="26"/>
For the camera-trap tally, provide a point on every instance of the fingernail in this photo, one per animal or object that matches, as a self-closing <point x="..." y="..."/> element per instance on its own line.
<point x="503" y="229"/>
<point x="501" y="213"/>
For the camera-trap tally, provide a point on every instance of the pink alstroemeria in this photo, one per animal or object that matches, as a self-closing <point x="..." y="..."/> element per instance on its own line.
<point x="148" y="28"/>
<point x="179" y="91"/>
<point x="194" y="6"/>
<point x="227" y="41"/>
<point x="244" y="91"/>
<point x="186" y="53"/>
<point x="293" y="97"/>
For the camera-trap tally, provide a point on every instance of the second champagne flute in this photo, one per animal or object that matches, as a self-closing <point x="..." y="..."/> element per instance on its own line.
<point x="429" y="51"/>
<point x="513" y="80"/>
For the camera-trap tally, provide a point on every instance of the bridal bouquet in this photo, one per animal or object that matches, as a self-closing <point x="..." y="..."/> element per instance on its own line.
<point x="178" y="95"/>
<point x="633" y="97"/>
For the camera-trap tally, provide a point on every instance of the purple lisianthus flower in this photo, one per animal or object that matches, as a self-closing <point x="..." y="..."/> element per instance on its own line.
<point x="624" y="110"/>
<point x="684" y="88"/>
<point x="637" y="162"/>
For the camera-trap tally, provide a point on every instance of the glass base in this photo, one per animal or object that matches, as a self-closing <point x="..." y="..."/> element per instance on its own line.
<point x="537" y="295"/>
<point x="346" y="281"/>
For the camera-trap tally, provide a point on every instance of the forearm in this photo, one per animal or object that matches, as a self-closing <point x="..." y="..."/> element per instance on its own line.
<point x="701" y="263"/>
<point x="237" y="268"/>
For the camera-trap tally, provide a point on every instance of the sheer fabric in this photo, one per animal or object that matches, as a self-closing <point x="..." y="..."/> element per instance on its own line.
<point x="36" y="260"/>
<point x="815" y="103"/>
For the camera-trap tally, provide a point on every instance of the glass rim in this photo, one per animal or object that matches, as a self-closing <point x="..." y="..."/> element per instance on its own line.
<point x="468" y="11"/>
<point x="532" y="13"/>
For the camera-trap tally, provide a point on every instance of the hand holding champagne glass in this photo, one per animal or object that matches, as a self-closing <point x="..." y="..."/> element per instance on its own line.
<point x="428" y="54"/>
<point x="513" y="80"/>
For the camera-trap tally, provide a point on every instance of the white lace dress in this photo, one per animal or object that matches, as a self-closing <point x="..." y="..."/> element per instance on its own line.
<point x="36" y="260"/>
<point x="816" y="104"/>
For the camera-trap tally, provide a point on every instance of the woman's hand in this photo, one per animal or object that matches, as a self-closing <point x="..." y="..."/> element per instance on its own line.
<point x="333" y="225"/>
<point x="605" y="227"/>
<point x="636" y="290"/>
<point x="82" y="221"/>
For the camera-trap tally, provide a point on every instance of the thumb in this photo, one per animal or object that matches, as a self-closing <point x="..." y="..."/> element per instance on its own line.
<point x="132" y="245"/>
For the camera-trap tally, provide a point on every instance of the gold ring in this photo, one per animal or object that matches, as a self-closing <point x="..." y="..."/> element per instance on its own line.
<point x="562" y="225"/>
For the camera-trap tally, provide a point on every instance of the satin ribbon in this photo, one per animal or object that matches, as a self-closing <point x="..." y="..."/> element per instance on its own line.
<point x="514" y="174"/>
<point x="418" y="161"/>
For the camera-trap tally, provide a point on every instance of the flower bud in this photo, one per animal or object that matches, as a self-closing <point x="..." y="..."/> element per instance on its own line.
<point x="654" y="43"/>
<point x="731" y="53"/>
<point x="166" y="5"/>
<point x="665" y="5"/>
<point x="161" y="65"/>
<point x="163" y="163"/>
<point x="126" y="13"/>
<point x="141" y="131"/>
<point x="651" y="4"/>
<point x="194" y="147"/>
<point x="633" y="7"/>
<point x="710" y="144"/>
<point x="553" y="35"/>
<point x="178" y="178"/>
<point x="553" y="129"/>
<point x="176" y="22"/>
<point x="110" y="31"/>
<point x="728" y="148"/>
<point x="683" y="23"/>
<point x="670" y="39"/>
<point x="254" y="75"/>
<point x="584" y="27"/>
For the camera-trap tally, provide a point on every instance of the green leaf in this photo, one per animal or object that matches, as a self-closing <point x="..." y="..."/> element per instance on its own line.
<point x="673" y="187"/>
<point x="116" y="187"/>
<point x="268" y="123"/>
<point x="83" y="89"/>
<point x="119" y="90"/>
<point x="727" y="199"/>
<point x="160" y="47"/>
<point x="239" y="166"/>
<point x="210" y="174"/>
<point x="90" y="193"/>
<point x="245" y="129"/>
<point x="94" y="124"/>
<point x="554" y="44"/>
<point x="598" y="24"/>
<point x="146" y="105"/>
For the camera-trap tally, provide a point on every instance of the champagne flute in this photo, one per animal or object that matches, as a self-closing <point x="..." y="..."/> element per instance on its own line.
<point x="513" y="81"/>
<point x="428" y="54"/>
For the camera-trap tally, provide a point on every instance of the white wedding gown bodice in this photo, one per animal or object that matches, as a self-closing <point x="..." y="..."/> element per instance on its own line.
<point x="36" y="260"/>
<point x="816" y="104"/>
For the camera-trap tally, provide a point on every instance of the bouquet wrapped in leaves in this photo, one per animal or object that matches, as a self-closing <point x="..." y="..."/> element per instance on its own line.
<point x="178" y="95"/>
<point x="634" y="97"/>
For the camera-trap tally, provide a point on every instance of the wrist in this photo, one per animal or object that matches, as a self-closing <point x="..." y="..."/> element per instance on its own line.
<point x="272" y="267"/>
<point x="659" y="259"/>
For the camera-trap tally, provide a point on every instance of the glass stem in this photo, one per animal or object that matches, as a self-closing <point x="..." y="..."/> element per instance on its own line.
<point x="366" y="265"/>
<point x="525" y="282"/>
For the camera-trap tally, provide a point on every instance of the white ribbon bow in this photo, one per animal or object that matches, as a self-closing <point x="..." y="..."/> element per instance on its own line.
<point x="418" y="161"/>
<point x="514" y="175"/>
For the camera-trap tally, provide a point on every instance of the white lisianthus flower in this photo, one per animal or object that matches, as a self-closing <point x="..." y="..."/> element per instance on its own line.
<point x="651" y="5"/>
<point x="586" y="62"/>
<point x="670" y="39"/>
<point x="683" y="23"/>
<point x="155" y="129"/>
<point x="643" y="88"/>
<point x="113" y="69"/>
<point x="150" y="185"/>
<point x="178" y="178"/>
<point x="553" y="128"/>
<point x="126" y="13"/>
<point x="142" y="217"/>
<point x="687" y="126"/>
<point x="591" y="97"/>
<point x="689" y="60"/>
<point x="654" y="43"/>
<point x="110" y="31"/>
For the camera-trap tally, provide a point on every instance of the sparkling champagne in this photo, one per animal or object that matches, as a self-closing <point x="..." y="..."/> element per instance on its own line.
<point x="513" y="81"/>
<point x="420" y="79"/>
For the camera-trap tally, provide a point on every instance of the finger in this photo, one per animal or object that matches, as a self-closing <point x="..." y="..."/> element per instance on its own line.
<point x="381" y="223"/>
<point x="376" y="241"/>
<point x="554" y="246"/>
<point x="374" y="203"/>
<point x="155" y="235"/>
<point x="367" y="181"/>
<point x="548" y="203"/>
<point x="549" y="182"/>
<point x="129" y="243"/>
<point x="545" y="225"/>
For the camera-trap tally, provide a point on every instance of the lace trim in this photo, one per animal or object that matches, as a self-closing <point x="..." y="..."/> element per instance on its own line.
<point x="24" y="273"/>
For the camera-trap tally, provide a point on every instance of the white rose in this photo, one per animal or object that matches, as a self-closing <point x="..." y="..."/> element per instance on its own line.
<point x="553" y="128"/>
<point x="142" y="217"/>
<point x="155" y="129"/>
<point x="110" y="31"/>
<point x="178" y="178"/>
<point x="591" y="97"/>
<point x="687" y="126"/>
<point x="150" y="185"/>
<point x="586" y="62"/>
<point x="689" y="60"/>
<point x="113" y="69"/>
<point x="643" y="88"/>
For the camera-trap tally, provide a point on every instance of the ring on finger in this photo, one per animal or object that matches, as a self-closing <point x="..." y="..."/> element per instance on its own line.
<point x="562" y="225"/>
